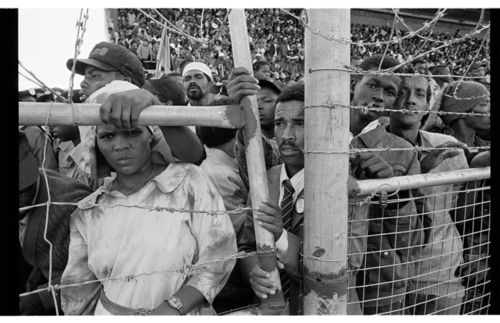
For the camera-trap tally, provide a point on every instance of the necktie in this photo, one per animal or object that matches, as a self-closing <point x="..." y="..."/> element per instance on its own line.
<point x="286" y="207"/>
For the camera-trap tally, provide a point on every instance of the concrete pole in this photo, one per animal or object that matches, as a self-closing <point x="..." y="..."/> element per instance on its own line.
<point x="259" y="190"/>
<point x="326" y="173"/>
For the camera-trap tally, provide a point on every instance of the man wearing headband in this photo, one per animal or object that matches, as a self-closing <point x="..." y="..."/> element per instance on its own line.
<point x="197" y="80"/>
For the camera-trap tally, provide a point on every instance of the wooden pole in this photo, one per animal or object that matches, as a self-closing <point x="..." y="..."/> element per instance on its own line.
<point x="86" y="114"/>
<point x="326" y="174"/>
<point x="259" y="190"/>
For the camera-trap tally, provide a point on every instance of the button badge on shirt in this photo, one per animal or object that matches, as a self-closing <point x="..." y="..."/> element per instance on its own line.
<point x="299" y="205"/>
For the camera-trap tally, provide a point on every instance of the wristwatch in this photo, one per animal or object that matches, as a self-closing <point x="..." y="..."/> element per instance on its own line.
<point x="176" y="303"/>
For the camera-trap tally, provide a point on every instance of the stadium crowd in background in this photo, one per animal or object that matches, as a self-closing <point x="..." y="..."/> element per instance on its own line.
<point x="422" y="251"/>
<point x="278" y="38"/>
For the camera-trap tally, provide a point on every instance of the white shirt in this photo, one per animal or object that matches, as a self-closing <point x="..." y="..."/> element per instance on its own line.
<point x="297" y="181"/>
<point x="108" y="242"/>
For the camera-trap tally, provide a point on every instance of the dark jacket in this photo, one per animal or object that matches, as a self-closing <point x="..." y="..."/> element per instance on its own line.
<point x="36" y="250"/>
<point x="246" y="240"/>
<point x="383" y="279"/>
<point x="357" y="232"/>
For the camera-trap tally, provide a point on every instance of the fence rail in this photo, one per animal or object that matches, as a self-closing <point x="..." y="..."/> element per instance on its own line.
<point x="226" y="116"/>
<point x="423" y="252"/>
<point x="371" y="186"/>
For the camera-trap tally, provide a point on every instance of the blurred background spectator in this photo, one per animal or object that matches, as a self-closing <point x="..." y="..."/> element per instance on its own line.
<point x="277" y="38"/>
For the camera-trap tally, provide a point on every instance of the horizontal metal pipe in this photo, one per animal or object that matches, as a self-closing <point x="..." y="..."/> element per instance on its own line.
<point x="37" y="113"/>
<point x="369" y="186"/>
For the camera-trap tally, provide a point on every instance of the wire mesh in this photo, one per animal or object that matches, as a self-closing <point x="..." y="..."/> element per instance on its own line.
<point x="424" y="254"/>
<point x="419" y="252"/>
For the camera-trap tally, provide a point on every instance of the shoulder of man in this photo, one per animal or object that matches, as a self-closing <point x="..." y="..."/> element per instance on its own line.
<point x="437" y="138"/>
<point x="64" y="188"/>
<point x="379" y="137"/>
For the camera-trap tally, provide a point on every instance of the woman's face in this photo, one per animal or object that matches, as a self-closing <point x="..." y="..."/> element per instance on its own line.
<point x="127" y="151"/>
<point x="480" y="122"/>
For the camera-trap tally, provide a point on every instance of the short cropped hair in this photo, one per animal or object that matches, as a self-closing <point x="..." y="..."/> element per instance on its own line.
<point x="373" y="62"/>
<point x="293" y="92"/>
<point x="257" y="65"/>
<point x="212" y="136"/>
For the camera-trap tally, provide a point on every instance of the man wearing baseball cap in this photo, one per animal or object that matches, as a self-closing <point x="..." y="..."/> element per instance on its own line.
<point x="110" y="62"/>
<point x="197" y="80"/>
<point x="107" y="62"/>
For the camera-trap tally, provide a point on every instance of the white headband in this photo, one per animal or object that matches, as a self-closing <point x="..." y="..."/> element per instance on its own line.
<point x="199" y="67"/>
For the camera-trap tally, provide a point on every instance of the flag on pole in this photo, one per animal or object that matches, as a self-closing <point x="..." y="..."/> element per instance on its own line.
<point x="163" y="58"/>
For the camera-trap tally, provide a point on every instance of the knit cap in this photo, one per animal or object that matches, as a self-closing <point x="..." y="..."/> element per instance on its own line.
<point x="461" y="96"/>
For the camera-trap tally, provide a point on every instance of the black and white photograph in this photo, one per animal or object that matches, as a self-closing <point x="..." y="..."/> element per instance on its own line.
<point x="240" y="161"/>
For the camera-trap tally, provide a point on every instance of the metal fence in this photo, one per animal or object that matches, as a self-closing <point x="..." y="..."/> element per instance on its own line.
<point x="421" y="250"/>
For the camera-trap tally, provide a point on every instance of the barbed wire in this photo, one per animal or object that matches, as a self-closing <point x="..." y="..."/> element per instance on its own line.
<point x="427" y="38"/>
<point x="181" y="32"/>
<point x="425" y="26"/>
<point x="184" y="270"/>
<point x="447" y="44"/>
<point x="365" y="109"/>
<point x="174" y="30"/>
<point x="30" y="79"/>
<point x="486" y="36"/>
<point x="412" y="33"/>
<point x="344" y="41"/>
<point x="394" y="22"/>
<point x="188" y="267"/>
<point x="47" y="215"/>
<point x="223" y="22"/>
<point x="418" y="34"/>
<point x="358" y="71"/>
<point x="212" y="213"/>
<point x="42" y="84"/>
<point x="85" y="205"/>
<point x="81" y="25"/>
<point x="384" y="149"/>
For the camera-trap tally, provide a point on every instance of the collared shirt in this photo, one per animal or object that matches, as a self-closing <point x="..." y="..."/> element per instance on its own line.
<point x="222" y="170"/>
<point x="374" y="124"/>
<point x="297" y="181"/>
<point x="108" y="242"/>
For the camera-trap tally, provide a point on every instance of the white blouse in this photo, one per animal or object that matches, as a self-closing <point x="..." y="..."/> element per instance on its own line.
<point x="145" y="249"/>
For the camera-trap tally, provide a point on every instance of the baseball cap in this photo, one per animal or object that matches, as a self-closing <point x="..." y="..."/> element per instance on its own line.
<point x="28" y="165"/>
<point x="111" y="57"/>
<point x="270" y="85"/>
<point x="199" y="67"/>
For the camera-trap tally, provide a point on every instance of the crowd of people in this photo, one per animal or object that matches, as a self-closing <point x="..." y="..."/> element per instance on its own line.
<point x="144" y="238"/>
<point x="277" y="37"/>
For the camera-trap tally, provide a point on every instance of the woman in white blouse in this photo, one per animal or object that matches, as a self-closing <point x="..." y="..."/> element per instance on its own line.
<point x="138" y="244"/>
